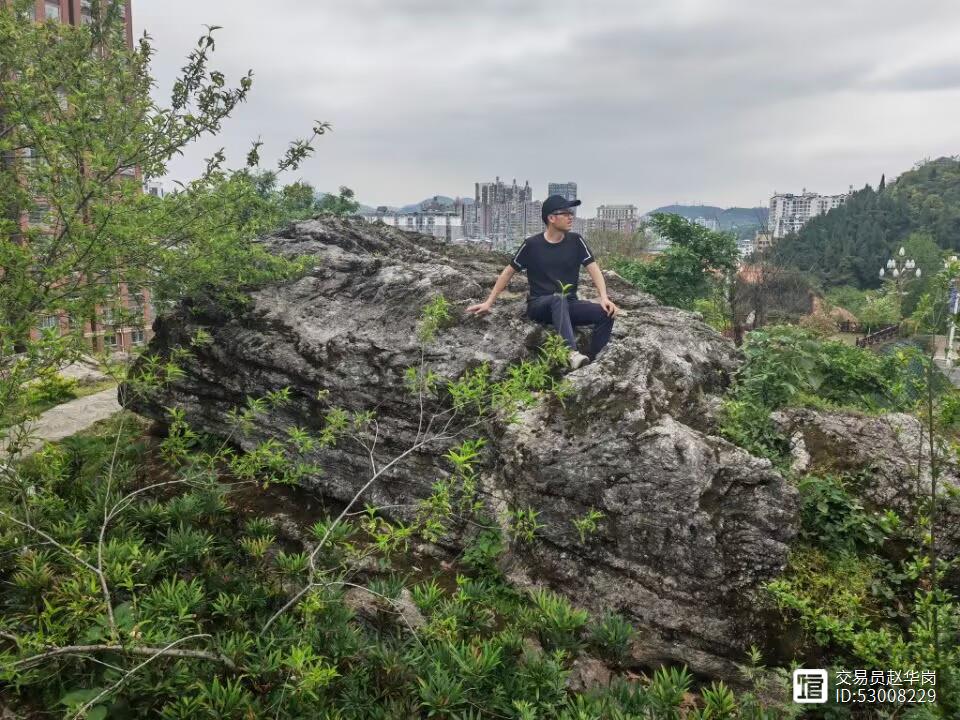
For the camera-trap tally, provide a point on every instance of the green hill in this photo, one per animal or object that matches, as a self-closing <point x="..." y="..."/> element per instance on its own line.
<point x="849" y="244"/>
<point x="728" y="217"/>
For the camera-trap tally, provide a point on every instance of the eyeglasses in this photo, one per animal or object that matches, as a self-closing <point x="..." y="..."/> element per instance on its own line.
<point x="567" y="213"/>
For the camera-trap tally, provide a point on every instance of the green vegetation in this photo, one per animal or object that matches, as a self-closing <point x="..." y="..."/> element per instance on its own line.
<point x="615" y="244"/>
<point x="138" y="584"/>
<point x="868" y="587"/>
<point x="688" y="270"/>
<point x="789" y="366"/>
<point x="75" y="128"/>
<point x="140" y="587"/>
<point x="342" y="204"/>
<point x="850" y="244"/>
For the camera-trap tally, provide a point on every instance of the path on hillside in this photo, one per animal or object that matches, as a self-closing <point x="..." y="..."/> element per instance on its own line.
<point x="69" y="418"/>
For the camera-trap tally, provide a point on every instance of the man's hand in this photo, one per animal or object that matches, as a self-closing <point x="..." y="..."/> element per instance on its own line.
<point x="479" y="309"/>
<point x="609" y="307"/>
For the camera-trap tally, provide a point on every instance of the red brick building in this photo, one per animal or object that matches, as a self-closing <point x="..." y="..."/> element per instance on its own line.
<point x="103" y="332"/>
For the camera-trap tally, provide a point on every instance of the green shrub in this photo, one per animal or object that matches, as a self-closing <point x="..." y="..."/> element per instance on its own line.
<point x="51" y="389"/>
<point x="834" y="519"/>
<point x="612" y="636"/>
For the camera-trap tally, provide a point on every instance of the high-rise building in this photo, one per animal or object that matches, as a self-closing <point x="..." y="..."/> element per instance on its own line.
<point x="504" y="213"/>
<point x="567" y="190"/>
<point x="102" y="332"/>
<point x="789" y="212"/>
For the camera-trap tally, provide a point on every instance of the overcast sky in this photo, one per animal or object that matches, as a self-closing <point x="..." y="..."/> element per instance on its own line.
<point x="714" y="101"/>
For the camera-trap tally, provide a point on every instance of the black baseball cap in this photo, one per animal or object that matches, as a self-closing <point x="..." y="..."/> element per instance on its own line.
<point x="554" y="203"/>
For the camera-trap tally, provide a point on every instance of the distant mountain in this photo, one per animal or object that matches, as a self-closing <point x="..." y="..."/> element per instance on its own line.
<point x="437" y="202"/>
<point x="441" y="202"/>
<point x="728" y="217"/>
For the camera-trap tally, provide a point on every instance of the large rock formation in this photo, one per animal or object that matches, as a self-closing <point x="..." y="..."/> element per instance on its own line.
<point x="691" y="524"/>
<point x="887" y="458"/>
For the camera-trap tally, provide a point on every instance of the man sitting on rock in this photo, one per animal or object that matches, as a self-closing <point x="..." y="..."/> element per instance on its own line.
<point x="552" y="260"/>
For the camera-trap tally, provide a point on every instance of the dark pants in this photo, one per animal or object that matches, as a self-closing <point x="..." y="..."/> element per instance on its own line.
<point x="564" y="314"/>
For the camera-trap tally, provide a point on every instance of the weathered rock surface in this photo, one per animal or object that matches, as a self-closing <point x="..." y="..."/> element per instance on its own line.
<point x="588" y="673"/>
<point x="889" y="456"/>
<point x="692" y="525"/>
<point x="371" y="607"/>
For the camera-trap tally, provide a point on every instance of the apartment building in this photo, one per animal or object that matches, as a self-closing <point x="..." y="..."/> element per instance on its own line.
<point x="443" y="225"/>
<point x="503" y="213"/>
<point x="77" y="12"/>
<point x="789" y="212"/>
<point x="124" y="321"/>
<point x="568" y="190"/>
<point x="618" y="218"/>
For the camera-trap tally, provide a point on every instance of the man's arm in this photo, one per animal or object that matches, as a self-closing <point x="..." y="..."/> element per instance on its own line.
<point x="605" y="302"/>
<point x="502" y="281"/>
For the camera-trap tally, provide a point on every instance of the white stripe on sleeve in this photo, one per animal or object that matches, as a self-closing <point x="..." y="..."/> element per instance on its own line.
<point x="518" y="254"/>
<point x="586" y="250"/>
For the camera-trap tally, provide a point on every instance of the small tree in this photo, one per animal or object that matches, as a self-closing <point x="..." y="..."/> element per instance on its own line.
<point x="696" y="259"/>
<point x="342" y="204"/>
<point x="615" y="244"/>
<point x="78" y="128"/>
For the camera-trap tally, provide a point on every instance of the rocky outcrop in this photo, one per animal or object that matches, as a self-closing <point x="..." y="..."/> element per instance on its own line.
<point x="887" y="457"/>
<point x="890" y="453"/>
<point x="691" y="525"/>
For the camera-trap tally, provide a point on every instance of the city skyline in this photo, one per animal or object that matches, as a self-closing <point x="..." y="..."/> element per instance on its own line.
<point x="713" y="101"/>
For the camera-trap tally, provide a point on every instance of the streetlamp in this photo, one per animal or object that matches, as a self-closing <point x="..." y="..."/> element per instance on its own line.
<point x="902" y="270"/>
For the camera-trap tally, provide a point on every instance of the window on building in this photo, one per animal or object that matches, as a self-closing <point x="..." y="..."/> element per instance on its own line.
<point x="48" y="321"/>
<point x="30" y="157"/>
<point x="52" y="9"/>
<point x="110" y="340"/>
<point x="136" y="337"/>
<point x="40" y="213"/>
<point x="135" y="300"/>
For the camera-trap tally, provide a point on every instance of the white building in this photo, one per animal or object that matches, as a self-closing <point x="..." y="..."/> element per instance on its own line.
<point x="708" y="223"/>
<point x="155" y="188"/>
<point x="762" y="241"/>
<point x="619" y="218"/>
<point x="445" y="226"/>
<point x="789" y="212"/>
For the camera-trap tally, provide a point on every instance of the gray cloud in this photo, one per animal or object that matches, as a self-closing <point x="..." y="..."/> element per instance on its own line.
<point x="938" y="76"/>
<point x="721" y="101"/>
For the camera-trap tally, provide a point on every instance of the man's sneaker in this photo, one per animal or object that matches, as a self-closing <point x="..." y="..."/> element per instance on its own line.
<point x="577" y="359"/>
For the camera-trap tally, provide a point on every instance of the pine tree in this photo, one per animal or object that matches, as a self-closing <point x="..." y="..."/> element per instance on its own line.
<point x="883" y="183"/>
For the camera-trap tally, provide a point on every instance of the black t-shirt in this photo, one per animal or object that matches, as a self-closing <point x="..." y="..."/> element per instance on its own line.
<point x="550" y="264"/>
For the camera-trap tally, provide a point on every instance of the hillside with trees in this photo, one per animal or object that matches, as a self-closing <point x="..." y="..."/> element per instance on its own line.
<point x="849" y="244"/>
<point x="729" y="218"/>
